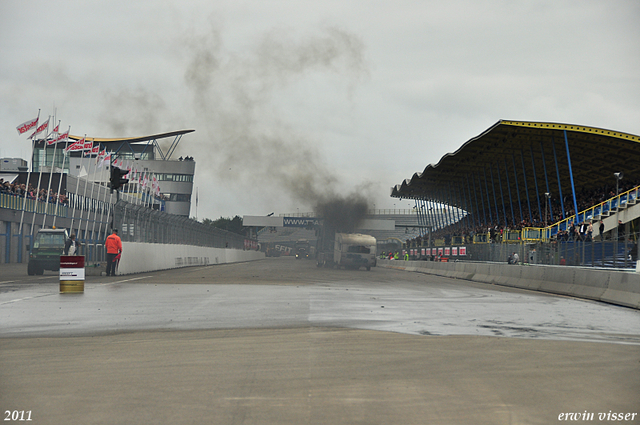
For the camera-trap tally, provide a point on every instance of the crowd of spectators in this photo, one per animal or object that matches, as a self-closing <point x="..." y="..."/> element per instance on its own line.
<point x="465" y="229"/>
<point x="41" y="195"/>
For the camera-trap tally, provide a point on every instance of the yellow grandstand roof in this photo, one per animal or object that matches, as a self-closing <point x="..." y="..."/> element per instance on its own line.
<point x="133" y="139"/>
<point x="524" y="158"/>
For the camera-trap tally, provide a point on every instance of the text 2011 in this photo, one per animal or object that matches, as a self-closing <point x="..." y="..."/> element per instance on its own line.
<point x="17" y="415"/>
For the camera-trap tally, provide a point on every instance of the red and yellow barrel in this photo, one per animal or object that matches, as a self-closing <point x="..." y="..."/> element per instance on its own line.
<point x="71" y="274"/>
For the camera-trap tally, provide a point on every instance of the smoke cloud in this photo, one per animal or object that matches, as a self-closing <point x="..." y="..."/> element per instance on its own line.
<point x="247" y="142"/>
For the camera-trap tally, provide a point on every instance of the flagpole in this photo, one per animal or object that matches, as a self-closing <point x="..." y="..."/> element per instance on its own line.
<point x="95" y="211"/>
<point x="53" y="161"/>
<point x="26" y="191"/>
<point x="73" y="213"/>
<point x="64" y="159"/>
<point x="37" y="200"/>
<point x="86" y="227"/>
<point x="84" y="194"/>
<point x="106" y="223"/>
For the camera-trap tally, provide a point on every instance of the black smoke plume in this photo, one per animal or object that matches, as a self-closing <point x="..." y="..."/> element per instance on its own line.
<point x="343" y="214"/>
<point x="247" y="144"/>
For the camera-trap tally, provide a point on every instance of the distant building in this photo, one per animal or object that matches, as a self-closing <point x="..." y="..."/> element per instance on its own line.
<point x="174" y="176"/>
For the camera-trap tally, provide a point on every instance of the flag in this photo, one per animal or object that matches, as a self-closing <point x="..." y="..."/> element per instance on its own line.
<point x="91" y="150"/>
<point x="77" y="146"/>
<point x="60" y="138"/>
<point x="41" y="128"/>
<point x="28" y="125"/>
<point x="55" y="131"/>
<point x="106" y="158"/>
<point x="100" y="157"/>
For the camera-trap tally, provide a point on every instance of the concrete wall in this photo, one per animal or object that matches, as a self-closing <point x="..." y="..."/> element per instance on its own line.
<point x="143" y="257"/>
<point x="611" y="286"/>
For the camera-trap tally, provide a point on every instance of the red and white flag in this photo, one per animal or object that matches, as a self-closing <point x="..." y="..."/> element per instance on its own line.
<point x="77" y="146"/>
<point x="41" y="128"/>
<point x="94" y="150"/>
<point x="28" y="125"/>
<point x="54" y="132"/>
<point x="106" y="159"/>
<point x="60" y="138"/>
<point x="87" y="146"/>
<point x="101" y="156"/>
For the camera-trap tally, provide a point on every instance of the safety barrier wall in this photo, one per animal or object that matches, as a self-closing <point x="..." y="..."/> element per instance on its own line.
<point x="615" y="287"/>
<point x="145" y="257"/>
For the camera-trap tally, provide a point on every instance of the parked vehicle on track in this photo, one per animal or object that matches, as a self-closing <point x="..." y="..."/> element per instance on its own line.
<point x="48" y="246"/>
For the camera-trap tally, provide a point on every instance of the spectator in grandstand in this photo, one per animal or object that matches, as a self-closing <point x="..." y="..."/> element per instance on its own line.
<point x="583" y="231"/>
<point x="589" y="232"/>
<point x="572" y="231"/>
<point x="601" y="230"/>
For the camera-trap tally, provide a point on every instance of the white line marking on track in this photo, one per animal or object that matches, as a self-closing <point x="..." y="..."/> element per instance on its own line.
<point x="25" y="298"/>
<point x="126" y="280"/>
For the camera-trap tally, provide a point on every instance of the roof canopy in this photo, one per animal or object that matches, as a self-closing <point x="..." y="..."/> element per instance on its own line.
<point x="519" y="160"/>
<point x="119" y="142"/>
<point x="133" y="139"/>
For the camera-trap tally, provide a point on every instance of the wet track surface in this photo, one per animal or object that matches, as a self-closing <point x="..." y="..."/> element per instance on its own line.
<point x="283" y="292"/>
<point x="280" y="341"/>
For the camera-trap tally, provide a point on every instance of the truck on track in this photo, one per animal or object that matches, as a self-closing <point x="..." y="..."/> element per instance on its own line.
<point x="347" y="250"/>
<point x="48" y="246"/>
<point x="302" y="248"/>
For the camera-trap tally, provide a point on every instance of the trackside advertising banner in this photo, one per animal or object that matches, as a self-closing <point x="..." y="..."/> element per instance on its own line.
<point x="300" y="221"/>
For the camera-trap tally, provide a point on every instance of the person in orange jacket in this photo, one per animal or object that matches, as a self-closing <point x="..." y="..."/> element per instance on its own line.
<point x="114" y="249"/>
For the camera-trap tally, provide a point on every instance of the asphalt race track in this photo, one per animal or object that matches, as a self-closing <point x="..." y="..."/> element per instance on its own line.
<point x="280" y="341"/>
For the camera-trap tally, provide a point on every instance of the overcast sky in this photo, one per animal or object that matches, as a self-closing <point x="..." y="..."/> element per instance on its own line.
<point x="295" y="99"/>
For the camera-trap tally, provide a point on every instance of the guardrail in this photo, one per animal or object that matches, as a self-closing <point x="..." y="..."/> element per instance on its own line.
<point x="15" y="202"/>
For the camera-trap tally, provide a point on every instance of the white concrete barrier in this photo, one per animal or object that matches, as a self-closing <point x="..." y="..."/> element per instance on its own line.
<point x="611" y="286"/>
<point x="146" y="257"/>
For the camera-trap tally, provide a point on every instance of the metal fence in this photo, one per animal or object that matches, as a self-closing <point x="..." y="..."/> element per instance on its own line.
<point x="616" y="253"/>
<point x="137" y="223"/>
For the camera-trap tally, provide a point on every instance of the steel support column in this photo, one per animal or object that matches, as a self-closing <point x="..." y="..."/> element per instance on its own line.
<point x="546" y="180"/>
<point x="504" y="209"/>
<point x="526" y="186"/>
<point x="535" y="180"/>
<point x="476" y="213"/>
<point x="555" y="158"/>
<point x="515" y="175"/>
<point x="484" y="214"/>
<point x="506" y="173"/>
<point x="486" y="186"/>
<point x="573" y="187"/>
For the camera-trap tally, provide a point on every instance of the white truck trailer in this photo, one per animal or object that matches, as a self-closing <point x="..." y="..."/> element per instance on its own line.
<point x="350" y="250"/>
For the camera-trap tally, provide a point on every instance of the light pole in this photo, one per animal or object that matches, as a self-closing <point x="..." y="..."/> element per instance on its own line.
<point x="618" y="178"/>
<point x="547" y="195"/>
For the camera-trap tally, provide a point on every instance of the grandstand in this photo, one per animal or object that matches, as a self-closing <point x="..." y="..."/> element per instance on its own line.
<point x="534" y="183"/>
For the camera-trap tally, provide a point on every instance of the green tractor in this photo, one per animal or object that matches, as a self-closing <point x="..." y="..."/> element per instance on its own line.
<point x="48" y="246"/>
